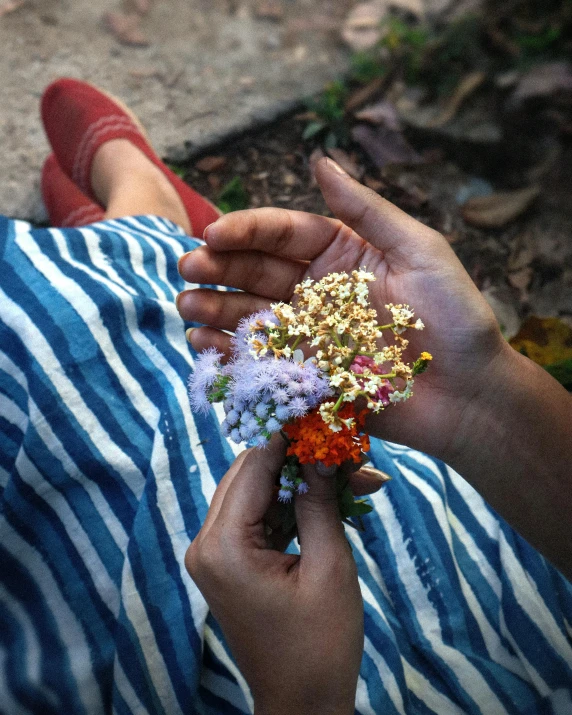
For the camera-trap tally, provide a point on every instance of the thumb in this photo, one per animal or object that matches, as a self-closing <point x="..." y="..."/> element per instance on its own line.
<point x="373" y="218"/>
<point x="320" y="529"/>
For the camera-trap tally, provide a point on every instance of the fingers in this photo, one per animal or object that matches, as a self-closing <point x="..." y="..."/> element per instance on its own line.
<point x="216" y="308"/>
<point x="221" y="490"/>
<point x="290" y="234"/>
<point x="205" y="337"/>
<point x="249" y="494"/>
<point x="367" y="480"/>
<point x="320" y="530"/>
<point x="376" y="220"/>
<point x="256" y="272"/>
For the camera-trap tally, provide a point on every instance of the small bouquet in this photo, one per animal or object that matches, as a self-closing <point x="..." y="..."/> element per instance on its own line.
<point x="319" y="404"/>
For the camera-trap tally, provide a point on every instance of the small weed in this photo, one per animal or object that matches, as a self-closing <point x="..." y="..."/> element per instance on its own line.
<point x="233" y="196"/>
<point x="330" y="121"/>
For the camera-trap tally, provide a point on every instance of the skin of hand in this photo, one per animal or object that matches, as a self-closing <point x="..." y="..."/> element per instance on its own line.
<point x="294" y="623"/>
<point x="497" y="418"/>
<point x="266" y="252"/>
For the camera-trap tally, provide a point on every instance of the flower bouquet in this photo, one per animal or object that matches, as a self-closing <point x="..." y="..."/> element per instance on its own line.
<point x="317" y="398"/>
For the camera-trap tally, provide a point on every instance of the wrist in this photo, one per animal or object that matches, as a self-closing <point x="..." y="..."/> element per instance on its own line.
<point x="514" y="446"/>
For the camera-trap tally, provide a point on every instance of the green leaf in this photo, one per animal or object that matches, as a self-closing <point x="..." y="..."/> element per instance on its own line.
<point x="180" y="171"/>
<point x="233" y="197"/>
<point x="312" y="129"/>
<point x="358" y="508"/>
<point x="561" y="371"/>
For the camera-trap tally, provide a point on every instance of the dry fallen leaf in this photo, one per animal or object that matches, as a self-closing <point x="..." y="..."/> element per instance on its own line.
<point x="544" y="80"/>
<point x="142" y="7"/>
<point x="522" y="253"/>
<point x="374" y="184"/>
<point x="521" y="279"/>
<point x="544" y="340"/>
<point x="414" y="7"/>
<point x="125" y="28"/>
<point x="365" y="94"/>
<point x="210" y="163"/>
<point x="269" y="10"/>
<point x="362" y="27"/>
<point x="11" y="6"/>
<point x="464" y="89"/>
<point x="385" y="146"/>
<point x="498" y="209"/>
<point x="383" y="112"/>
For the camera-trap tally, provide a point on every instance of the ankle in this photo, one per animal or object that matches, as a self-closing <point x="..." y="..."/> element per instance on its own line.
<point x="127" y="183"/>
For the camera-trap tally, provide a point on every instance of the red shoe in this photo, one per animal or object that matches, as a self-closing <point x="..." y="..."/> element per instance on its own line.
<point x="67" y="207"/>
<point x="79" y="118"/>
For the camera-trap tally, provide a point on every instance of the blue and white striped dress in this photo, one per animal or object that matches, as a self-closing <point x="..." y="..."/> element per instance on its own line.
<point x="105" y="477"/>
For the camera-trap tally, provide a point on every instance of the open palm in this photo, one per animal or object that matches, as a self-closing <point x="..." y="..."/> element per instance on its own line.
<point x="266" y="252"/>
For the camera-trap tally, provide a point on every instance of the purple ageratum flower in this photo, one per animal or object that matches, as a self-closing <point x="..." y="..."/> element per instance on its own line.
<point x="273" y="425"/>
<point x="280" y="396"/>
<point x="282" y="413"/>
<point x="262" y="409"/>
<point x="285" y="482"/>
<point x="261" y="441"/>
<point x="298" y="407"/>
<point x="244" y="330"/>
<point x="285" y="495"/>
<point x="206" y="370"/>
<point x="235" y="436"/>
<point x="232" y="417"/>
<point x="249" y="430"/>
<point x="303" y="488"/>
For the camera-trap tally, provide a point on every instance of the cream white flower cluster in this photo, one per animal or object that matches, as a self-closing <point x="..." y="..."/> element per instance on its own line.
<point x="333" y="319"/>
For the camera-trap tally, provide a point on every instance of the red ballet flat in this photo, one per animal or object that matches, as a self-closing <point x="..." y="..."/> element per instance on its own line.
<point x="66" y="205"/>
<point x="79" y="118"/>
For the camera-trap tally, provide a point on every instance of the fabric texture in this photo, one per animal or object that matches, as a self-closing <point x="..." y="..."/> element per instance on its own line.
<point x="106" y="476"/>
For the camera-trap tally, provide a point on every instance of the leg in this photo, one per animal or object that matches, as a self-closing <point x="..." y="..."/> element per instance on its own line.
<point x="103" y="148"/>
<point x="127" y="183"/>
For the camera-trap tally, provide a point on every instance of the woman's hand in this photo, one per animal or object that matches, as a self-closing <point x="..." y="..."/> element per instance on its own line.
<point x="494" y="416"/>
<point x="293" y="623"/>
<point x="266" y="252"/>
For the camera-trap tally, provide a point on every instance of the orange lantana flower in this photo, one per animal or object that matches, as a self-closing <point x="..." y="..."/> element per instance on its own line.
<point x="312" y="440"/>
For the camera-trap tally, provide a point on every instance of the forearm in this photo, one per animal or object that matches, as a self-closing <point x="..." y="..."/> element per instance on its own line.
<point x="514" y="446"/>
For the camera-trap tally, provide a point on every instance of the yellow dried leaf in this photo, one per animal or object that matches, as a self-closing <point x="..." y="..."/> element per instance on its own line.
<point x="544" y="340"/>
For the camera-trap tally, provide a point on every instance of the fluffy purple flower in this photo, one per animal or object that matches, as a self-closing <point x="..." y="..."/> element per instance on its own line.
<point x="282" y="413"/>
<point x="273" y="425"/>
<point x="232" y="417"/>
<point x="261" y="441"/>
<point x="249" y="430"/>
<point x="235" y="436"/>
<point x="303" y="488"/>
<point x="280" y="396"/>
<point x="285" y="495"/>
<point x="244" y="330"/>
<point x="262" y="409"/>
<point x="207" y="369"/>
<point x="298" y="407"/>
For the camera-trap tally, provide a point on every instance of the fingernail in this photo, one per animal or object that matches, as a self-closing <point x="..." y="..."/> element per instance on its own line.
<point x="207" y="228"/>
<point x="375" y="474"/>
<point x="181" y="260"/>
<point x="325" y="471"/>
<point x="336" y="167"/>
<point x="188" y="332"/>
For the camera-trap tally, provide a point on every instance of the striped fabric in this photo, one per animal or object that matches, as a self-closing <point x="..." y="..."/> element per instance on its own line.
<point x="105" y="477"/>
